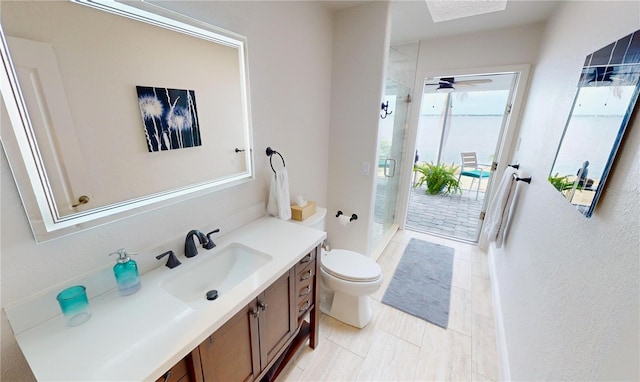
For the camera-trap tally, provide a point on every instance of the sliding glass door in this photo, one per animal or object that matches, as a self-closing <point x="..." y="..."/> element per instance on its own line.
<point x="462" y="115"/>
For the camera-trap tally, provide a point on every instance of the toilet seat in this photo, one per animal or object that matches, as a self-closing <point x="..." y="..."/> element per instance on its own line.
<point x="350" y="266"/>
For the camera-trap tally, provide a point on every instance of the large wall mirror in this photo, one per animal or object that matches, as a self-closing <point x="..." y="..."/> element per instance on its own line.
<point x="118" y="108"/>
<point x="607" y="93"/>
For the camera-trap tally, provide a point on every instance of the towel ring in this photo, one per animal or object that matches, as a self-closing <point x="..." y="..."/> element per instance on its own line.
<point x="270" y="153"/>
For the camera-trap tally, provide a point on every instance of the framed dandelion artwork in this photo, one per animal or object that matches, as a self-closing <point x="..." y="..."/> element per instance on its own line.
<point x="170" y="118"/>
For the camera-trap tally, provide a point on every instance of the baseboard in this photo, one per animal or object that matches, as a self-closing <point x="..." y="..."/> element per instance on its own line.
<point x="501" y="340"/>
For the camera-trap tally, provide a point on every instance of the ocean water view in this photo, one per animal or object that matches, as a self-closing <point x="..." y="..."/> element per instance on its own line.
<point x="468" y="133"/>
<point x="590" y="138"/>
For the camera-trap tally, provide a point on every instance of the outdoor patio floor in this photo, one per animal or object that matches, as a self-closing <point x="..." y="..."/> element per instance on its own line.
<point x="455" y="216"/>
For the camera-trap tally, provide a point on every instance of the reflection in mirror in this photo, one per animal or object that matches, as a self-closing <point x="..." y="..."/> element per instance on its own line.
<point x="127" y="113"/>
<point x="607" y="93"/>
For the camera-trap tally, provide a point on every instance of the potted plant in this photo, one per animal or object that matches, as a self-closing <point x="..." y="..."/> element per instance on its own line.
<point x="561" y="183"/>
<point x="439" y="178"/>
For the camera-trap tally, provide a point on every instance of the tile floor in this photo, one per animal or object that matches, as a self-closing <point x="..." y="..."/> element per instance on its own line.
<point x="396" y="346"/>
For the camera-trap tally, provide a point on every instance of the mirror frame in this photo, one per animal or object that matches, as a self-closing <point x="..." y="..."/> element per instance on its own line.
<point x="628" y="45"/>
<point x="27" y="164"/>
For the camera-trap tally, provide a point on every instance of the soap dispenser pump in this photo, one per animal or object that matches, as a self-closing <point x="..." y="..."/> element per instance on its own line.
<point x="126" y="273"/>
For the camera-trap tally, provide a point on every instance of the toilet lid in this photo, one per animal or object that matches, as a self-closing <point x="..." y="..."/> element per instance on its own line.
<point x="350" y="266"/>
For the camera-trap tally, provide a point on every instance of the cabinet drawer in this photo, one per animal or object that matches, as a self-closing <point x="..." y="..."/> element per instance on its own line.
<point x="308" y="258"/>
<point x="306" y="273"/>
<point x="304" y="290"/>
<point x="177" y="372"/>
<point x="305" y="304"/>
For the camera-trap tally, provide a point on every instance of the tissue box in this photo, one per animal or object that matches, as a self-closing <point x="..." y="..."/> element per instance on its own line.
<point x="300" y="213"/>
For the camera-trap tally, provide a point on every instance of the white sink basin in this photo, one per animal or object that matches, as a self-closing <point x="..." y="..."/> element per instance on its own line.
<point x="223" y="269"/>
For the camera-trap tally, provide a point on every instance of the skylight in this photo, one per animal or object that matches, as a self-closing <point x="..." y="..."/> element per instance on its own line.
<point x="444" y="10"/>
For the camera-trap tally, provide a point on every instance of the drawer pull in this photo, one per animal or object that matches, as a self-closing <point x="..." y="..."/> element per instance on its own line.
<point x="305" y="291"/>
<point x="305" y="307"/>
<point x="255" y="312"/>
<point x="167" y="376"/>
<point x="306" y="259"/>
<point x="306" y="275"/>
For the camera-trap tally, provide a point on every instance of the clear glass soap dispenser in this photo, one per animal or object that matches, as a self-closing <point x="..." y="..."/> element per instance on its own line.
<point x="126" y="272"/>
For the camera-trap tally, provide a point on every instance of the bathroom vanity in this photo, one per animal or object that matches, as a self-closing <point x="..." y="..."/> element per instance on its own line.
<point x="249" y="332"/>
<point x="257" y="341"/>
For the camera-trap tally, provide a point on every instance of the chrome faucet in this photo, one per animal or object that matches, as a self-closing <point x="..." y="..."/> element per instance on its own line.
<point x="190" y="249"/>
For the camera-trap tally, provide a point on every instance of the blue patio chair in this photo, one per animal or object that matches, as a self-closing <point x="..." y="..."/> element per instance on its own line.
<point x="470" y="168"/>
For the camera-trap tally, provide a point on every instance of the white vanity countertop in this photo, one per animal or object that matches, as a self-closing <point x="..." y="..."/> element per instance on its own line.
<point x="140" y="337"/>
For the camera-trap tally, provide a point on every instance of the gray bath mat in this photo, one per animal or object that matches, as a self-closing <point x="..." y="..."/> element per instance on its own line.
<point x="421" y="285"/>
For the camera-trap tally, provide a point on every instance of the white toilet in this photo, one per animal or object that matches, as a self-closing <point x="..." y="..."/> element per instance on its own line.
<point x="348" y="278"/>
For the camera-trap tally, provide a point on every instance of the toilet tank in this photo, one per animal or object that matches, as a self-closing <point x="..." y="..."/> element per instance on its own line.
<point x="316" y="221"/>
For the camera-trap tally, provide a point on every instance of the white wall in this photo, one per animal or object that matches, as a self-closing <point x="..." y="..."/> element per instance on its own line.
<point x="568" y="285"/>
<point x="290" y="50"/>
<point x="518" y="45"/>
<point x="361" y="41"/>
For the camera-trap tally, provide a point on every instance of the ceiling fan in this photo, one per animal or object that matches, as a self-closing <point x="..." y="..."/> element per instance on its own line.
<point x="445" y="84"/>
<point x="608" y="76"/>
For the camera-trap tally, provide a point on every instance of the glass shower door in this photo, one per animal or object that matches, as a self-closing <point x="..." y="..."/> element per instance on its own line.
<point x="390" y="150"/>
<point x="401" y="72"/>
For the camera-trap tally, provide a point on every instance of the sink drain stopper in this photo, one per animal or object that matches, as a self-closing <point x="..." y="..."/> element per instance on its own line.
<point x="212" y="295"/>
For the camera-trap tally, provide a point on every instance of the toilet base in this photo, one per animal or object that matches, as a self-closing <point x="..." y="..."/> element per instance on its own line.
<point x="352" y="310"/>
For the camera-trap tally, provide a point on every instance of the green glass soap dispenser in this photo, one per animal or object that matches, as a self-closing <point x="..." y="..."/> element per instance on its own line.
<point x="126" y="272"/>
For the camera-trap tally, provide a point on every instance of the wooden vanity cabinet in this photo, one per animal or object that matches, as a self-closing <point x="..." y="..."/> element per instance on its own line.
<point x="306" y="310"/>
<point x="183" y="371"/>
<point x="277" y="321"/>
<point x="262" y="337"/>
<point x="308" y="296"/>
<point x="245" y="344"/>
<point x="231" y="353"/>
<point x="305" y="280"/>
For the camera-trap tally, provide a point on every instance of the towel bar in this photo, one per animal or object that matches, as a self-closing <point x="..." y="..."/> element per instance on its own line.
<point x="518" y="179"/>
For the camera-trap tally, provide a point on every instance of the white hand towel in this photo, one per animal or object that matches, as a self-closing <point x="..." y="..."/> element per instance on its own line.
<point x="501" y="207"/>
<point x="279" y="204"/>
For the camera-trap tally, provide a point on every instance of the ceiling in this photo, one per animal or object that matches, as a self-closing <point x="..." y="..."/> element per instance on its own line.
<point x="412" y="20"/>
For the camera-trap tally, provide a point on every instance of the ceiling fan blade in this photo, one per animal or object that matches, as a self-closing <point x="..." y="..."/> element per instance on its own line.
<point x="452" y="81"/>
<point x="473" y="82"/>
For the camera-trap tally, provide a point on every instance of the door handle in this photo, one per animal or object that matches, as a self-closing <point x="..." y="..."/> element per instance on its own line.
<point x="387" y="167"/>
